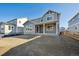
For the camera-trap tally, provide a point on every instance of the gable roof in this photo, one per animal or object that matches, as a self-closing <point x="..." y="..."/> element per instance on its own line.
<point x="34" y="21"/>
<point x="51" y="11"/>
<point x="6" y="23"/>
<point x="28" y="21"/>
<point x="73" y="17"/>
<point x="12" y="20"/>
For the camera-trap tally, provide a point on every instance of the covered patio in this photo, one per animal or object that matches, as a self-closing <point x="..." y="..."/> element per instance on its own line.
<point x="46" y="28"/>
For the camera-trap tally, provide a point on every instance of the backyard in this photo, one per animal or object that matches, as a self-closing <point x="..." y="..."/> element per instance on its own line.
<point x="45" y="46"/>
<point x="8" y="43"/>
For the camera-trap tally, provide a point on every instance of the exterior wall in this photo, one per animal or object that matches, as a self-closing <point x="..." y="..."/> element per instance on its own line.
<point x="2" y="28"/>
<point x="9" y="31"/>
<point x="29" y="28"/>
<point x="19" y="25"/>
<point x="73" y="24"/>
<point x="21" y="21"/>
<point x="74" y="20"/>
<point x="74" y="28"/>
<point x="19" y="30"/>
<point x="53" y="15"/>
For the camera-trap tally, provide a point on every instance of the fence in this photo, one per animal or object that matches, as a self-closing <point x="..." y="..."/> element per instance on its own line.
<point x="74" y="35"/>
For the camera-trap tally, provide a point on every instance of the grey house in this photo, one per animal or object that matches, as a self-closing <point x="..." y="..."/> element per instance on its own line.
<point x="73" y="24"/>
<point x="48" y="24"/>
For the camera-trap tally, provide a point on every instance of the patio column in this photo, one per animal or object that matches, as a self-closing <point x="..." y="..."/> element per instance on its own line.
<point x="57" y="28"/>
<point x="43" y="28"/>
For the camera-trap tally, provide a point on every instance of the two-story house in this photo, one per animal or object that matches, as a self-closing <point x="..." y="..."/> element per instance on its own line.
<point x="73" y="24"/>
<point x="48" y="24"/>
<point x="19" y="24"/>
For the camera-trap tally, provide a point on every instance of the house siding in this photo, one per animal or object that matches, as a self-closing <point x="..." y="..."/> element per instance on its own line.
<point x="2" y="28"/>
<point x="73" y="24"/>
<point x="29" y="28"/>
<point x="11" y="31"/>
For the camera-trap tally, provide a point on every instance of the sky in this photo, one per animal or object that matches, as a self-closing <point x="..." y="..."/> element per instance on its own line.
<point x="9" y="11"/>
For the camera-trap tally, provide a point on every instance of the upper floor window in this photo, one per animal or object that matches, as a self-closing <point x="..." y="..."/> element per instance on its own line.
<point x="49" y="18"/>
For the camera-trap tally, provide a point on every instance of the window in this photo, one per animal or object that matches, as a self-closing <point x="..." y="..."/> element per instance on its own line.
<point x="49" y="18"/>
<point x="75" y="27"/>
<point x="41" y="20"/>
<point x="9" y="28"/>
<point x="12" y="27"/>
<point x="19" y="21"/>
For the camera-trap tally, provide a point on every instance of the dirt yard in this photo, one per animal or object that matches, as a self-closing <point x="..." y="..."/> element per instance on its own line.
<point x="47" y="46"/>
<point x="10" y="42"/>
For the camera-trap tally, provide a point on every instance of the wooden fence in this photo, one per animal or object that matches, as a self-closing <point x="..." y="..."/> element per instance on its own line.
<point x="74" y="35"/>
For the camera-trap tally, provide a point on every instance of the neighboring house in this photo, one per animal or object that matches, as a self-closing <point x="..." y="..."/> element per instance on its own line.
<point x="73" y="24"/>
<point x="19" y="24"/>
<point x="14" y="26"/>
<point x="7" y="28"/>
<point x="29" y="28"/>
<point x="48" y="24"/>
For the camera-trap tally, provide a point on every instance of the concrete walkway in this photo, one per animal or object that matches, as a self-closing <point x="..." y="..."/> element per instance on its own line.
<point x="47" y="46"/>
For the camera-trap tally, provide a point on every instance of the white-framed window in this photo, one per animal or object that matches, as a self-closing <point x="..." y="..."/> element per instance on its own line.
<point x="50" y="17"/>
<point x="10" y="27"/>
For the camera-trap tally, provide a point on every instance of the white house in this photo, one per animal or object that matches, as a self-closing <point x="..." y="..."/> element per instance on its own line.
<point x="73" y="24"/>
<point x="7" y="28"/>
<point x="48" y="24"/>
<point x="14" y="26"/>
<point x="19" y="24"/>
